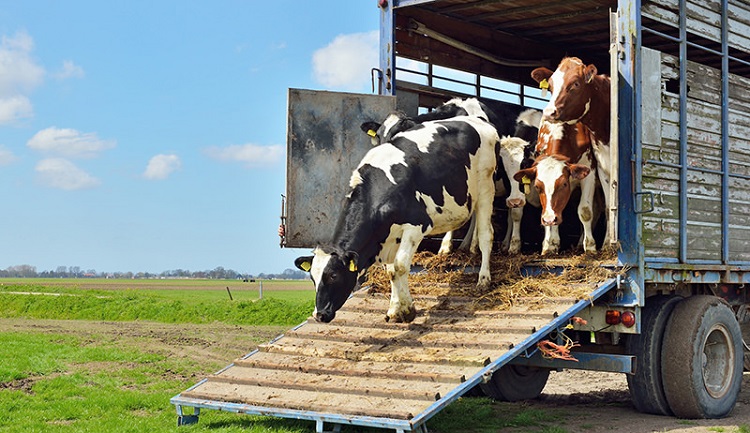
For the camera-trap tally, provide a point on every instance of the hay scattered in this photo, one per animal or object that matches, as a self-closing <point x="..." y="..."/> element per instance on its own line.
<point x="455" y="274"/>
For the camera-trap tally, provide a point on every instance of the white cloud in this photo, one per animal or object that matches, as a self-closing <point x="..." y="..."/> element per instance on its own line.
<point x="6" y="156"/>
<point x="252" y="155"/>
<point x="346" y="62"/>
<point x="14" y="108"/>
<point x="69" y="143"/>
<point x="62" y="174"/>
<point x="19" y="76"/>
<point x="161" y="166"/>
<point x="69" y="70"/>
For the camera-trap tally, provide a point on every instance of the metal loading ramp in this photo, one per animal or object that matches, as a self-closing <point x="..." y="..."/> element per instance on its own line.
<point x="361" y="370"/>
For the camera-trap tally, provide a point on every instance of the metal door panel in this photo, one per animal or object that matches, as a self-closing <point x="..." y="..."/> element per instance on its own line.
<point x="324" y="144"/>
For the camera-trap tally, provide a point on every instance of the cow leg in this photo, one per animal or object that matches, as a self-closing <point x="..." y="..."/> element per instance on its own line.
<point x="484" y="231"/>
<point x="586" y="213"/>
<point x="447" y="244"/>
<point x="402" y="306"/>
<point x="551" y="244"/>
<point x="512" y="242"/>
<point x="469" y="242"/>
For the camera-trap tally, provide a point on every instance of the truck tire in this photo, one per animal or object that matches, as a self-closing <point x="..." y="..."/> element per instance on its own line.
<point x="743" y="317"/>
<point x="516" y="382"/>
<point x="702" y="358"/>
<point x="645" y="386"/>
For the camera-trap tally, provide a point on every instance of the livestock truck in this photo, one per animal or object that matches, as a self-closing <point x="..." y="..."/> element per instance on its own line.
<point x="675" y="313"/>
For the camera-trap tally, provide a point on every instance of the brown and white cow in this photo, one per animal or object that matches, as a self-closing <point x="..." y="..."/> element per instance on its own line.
<point x="564" y="164"/>
<point x="581" y="94"/>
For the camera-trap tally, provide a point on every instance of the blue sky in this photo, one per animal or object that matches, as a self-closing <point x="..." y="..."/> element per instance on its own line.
<point x="151" y="135"/>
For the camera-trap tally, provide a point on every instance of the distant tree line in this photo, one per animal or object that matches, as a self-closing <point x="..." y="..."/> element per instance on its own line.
<point x="218" y="273"/>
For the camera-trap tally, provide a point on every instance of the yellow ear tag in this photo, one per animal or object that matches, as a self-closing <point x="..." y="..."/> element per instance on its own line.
<point x="544" y="85"/>
<point x="372" y="133"/>
<point x="352" y="266"/>
<point x="306" y="266"/>
<point x="526" y="184"/>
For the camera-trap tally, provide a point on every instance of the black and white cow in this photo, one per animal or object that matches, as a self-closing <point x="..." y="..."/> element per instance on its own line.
<point x="508" y="119"/>
<point x="501" y="115"/>
<point x="517" y="153"/>
<point x="427" y="180"/>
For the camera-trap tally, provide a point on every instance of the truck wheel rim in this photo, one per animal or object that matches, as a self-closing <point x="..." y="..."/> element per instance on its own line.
<point x="718" y="362"/>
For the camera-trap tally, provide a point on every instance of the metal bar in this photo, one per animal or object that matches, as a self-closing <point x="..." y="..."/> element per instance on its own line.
<point x="614" y="150"/>
<point x="586" y="361"/>
<point x="384" y="423"/>
<point x="418" y="27"/>
<point x="630" y="170"/>
<point x="683" y="200"/>
<point x="387" y="50"/>
<point x="692" y="44"/>
<point x="725" y="131"/>
<point x="407" y="3"/>
<point x="721" y="274"/>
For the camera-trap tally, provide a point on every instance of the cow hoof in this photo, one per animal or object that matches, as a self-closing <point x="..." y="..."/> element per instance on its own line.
<point x="483" y="283"/>
<point x="515" y="248"/>
<point x="402" y="316"/>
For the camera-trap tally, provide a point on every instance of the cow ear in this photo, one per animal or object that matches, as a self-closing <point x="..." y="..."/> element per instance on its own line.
<point x="590" y="72"/>
<point x="526" y="176"/>
<point x="370" y="128"/>
<point x="351" y="258"/>
<point x="579" y="171"/>
<point x="304" y="263"/>
<point x="541" y="74"/>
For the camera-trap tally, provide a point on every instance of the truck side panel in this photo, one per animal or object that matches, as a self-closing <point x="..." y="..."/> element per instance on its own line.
<point x="688" y="146"/>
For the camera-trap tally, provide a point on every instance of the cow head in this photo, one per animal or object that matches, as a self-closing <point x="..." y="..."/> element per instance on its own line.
<point x="517" y="152"/>
<point x="383" y="133"/>
<point x="334" y="275"/>
<point x="513" y="156"/>
<point x="552" y="176"/>
<point x="571" y="87"/>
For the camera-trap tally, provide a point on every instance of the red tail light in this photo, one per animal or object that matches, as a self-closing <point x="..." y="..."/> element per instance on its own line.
<point x="612" y="317"/>
<point x="628" y="319"/>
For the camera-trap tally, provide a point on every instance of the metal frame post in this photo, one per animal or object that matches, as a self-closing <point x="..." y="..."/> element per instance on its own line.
<point x="386" y="86"/>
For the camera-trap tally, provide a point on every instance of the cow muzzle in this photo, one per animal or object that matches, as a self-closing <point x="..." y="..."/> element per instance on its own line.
<point x="324" y="316"/>
<point x="515" y="202"/>
<point x="551" y="220"/>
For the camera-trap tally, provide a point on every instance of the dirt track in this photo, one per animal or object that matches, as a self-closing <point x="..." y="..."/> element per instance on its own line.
<point x="591" y="402"/>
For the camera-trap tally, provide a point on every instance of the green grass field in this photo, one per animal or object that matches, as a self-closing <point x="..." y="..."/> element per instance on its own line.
<point x="128" y="346"/>
<point x="168" y="301"/>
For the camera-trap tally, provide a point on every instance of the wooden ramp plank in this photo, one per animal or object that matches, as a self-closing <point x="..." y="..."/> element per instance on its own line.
<point x="380" y="353"/>
<point x="387" y="407"/>
<point x="334" y="383"/>
<point x="409" y="337"/>
<point x="441" y="373"/>
<point x="490" y="324"/>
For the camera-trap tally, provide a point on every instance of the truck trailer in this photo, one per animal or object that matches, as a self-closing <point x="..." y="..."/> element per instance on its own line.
<point x="674" y="314"/>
